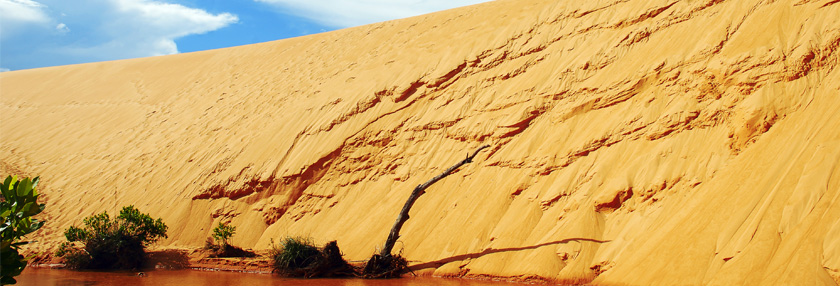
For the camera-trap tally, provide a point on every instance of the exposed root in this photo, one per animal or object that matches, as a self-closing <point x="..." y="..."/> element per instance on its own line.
<point x="389" y="266"/>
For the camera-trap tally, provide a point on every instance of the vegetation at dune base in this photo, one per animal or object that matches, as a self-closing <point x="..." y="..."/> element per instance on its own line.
<point x="389" y="266"/>
<point x="223" y="232"/>
<point x="111" y="243"/>
<point x="220" y="242"/>
<point x="18" y="206"/>
<point x="299" y="257"/>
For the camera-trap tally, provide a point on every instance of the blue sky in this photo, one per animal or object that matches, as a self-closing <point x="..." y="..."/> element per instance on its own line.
<point x="41" y="33"/>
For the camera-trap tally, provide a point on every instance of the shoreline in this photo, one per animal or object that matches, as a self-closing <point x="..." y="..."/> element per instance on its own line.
<point x="197" y="259"/>
<point x="482" y="278"/>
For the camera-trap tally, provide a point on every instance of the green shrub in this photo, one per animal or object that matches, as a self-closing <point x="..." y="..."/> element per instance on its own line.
<point x="117" y="243"/>
<point x="18" y="206"/>
<point x="219" y="245"/>
<point x="223" y="232"/>
<point x="299" y="257"/>
<point x="293" y="254"/>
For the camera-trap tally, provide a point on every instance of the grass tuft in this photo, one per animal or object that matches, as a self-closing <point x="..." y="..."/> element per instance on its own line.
<point x="299" y="257"/>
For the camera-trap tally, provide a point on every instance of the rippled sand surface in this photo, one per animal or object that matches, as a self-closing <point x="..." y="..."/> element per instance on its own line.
<point x="651" y="142"/>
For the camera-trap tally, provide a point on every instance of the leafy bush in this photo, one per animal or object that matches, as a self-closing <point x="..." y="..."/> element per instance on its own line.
<point x="16" y="210"/>
<point x="220" y="246"/>
<point x="223" y="232"/>
<point x="299" y="257"/>
<point x="112" y="243"/>
<point x="292" y="254"/>
<point x="219" y="243"/>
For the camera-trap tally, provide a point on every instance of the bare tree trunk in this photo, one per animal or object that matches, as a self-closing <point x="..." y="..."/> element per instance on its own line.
<point x="419" y="190"/>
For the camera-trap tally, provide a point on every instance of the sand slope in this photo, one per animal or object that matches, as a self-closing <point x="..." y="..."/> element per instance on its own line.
<point x="633" y="142"/>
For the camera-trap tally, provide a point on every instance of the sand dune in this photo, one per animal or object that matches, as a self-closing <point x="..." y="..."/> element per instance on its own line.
<point x="633" y="142"/>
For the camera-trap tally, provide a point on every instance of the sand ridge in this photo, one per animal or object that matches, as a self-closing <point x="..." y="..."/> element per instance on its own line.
<point x="633" y="142"/>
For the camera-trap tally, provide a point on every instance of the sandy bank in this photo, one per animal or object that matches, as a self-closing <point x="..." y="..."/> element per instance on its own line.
<point x="634" y="142"/>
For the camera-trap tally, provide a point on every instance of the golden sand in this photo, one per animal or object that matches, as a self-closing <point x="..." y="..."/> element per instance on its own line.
<point x="633" y="142"/>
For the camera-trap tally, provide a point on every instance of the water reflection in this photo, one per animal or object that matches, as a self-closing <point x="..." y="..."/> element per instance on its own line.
<point x="58" y="277"/>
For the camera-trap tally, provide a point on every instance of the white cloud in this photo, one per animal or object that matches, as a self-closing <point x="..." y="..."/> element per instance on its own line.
<point x="101" y="30"/>
<point x="23" y="11"/>
<point x="18" y="14"/>
<point x="348" y="13"/>
<point x="139" y="28"/>
<point x="61" y="27"/>
<point x="165" y="20"/>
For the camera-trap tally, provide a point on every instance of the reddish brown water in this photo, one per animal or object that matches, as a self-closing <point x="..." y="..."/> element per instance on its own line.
<point x="50" y="277"/>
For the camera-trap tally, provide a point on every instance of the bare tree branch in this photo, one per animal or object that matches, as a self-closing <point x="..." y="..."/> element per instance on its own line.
<point x="419" y="190"/>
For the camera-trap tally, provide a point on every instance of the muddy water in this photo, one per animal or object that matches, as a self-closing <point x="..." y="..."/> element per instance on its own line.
<point x="57" y="277"/>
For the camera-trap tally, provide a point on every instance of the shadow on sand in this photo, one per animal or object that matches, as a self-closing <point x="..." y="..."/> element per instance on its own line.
<point x="438" y="263"/>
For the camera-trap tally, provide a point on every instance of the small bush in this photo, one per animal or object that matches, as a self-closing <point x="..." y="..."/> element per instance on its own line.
<point x="117" y="243"/>
<point x="293" y="254"/>
<point x="223" y="232"/>
<point x="220" y="246"/>
<point x="299" y="257"/>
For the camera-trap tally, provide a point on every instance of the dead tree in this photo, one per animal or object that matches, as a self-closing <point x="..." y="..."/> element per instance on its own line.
<point x="419" y="190"/>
